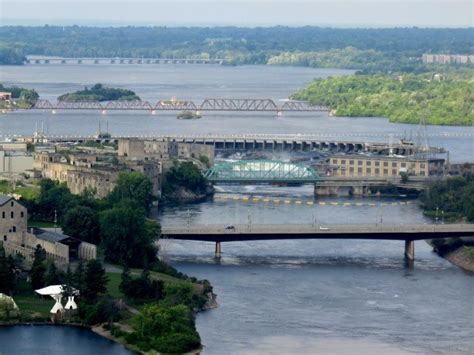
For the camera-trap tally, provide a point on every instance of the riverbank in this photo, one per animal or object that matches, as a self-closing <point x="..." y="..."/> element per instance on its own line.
<point x="462" y="256"/>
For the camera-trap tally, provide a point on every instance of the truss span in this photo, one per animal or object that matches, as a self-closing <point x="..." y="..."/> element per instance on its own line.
<point x="262" y="171"/>
<point x="238" y="105"/>
<point x="128" y="105"/>
<point x="209" y="104"/>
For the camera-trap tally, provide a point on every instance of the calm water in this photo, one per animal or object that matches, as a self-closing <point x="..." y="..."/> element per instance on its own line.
<point x="196" y="82"/>
<point x="283" y="297"/>
<point x="49" y="339"/>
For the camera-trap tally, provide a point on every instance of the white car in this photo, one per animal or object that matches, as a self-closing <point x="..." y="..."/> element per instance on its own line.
<point x="323" y="228"/>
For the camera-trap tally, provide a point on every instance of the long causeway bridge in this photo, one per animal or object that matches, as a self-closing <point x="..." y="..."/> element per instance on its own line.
<point x="247" y="232"/>
<point x="44" y="60"/>
<point x="209" y="104"/>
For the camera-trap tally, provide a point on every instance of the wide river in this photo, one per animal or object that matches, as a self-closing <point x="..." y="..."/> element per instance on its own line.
<point x="283" y="297"/>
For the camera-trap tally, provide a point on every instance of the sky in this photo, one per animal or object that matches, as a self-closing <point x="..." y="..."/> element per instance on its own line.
<point x="335" y="13"/>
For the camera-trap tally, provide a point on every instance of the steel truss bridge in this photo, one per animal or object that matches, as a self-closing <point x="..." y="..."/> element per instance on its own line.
<point x="210" y="104"/>
<point x="42" y="60"/>
<point x="262" y="171"/>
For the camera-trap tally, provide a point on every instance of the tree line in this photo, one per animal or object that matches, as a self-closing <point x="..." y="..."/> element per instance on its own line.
<point x="399" y="48"/>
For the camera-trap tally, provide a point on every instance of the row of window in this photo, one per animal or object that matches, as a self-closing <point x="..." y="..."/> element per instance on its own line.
<point x="12" y="214"/>
<point x="377" y="163"/>
<point x="368" y="171"/>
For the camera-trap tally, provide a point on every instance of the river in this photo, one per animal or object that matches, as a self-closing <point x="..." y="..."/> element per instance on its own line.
<point x="283" y="297"/>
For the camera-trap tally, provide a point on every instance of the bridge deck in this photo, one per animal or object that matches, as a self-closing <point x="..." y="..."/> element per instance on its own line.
<point x="219" y="233"/>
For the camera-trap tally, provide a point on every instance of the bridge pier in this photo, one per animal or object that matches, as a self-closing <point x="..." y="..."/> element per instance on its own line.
<point x="218" y="250"/>
<point x="410" y="250"/>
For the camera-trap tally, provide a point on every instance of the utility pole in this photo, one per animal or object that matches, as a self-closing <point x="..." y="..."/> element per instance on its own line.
<point x="55" y="219"/>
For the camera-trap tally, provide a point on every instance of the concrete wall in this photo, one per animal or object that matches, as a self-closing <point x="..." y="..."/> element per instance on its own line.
<point x="15" y="163"/>
<point x="87" y="251"/>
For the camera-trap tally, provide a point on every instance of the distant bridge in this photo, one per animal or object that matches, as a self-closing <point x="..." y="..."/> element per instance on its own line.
<point x="407" y="233"/>
<point x="210" y="104"/>
<point x="262" y="171"/>
<point x="43" y="60"/>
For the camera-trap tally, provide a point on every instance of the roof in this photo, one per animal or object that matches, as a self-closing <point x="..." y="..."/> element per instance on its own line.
<point x="51" y="236"/>
<point x="4" y="199"/>
<point x="54" y="290"/>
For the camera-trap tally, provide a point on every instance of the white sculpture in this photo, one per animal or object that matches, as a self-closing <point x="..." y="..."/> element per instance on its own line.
<point x="56" y="292"/>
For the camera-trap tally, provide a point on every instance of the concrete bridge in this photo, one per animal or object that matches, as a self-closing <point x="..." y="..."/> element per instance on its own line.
<point x="44" y="60"/>
<point x="407" y="233"/>
<point x="258" y="142"/>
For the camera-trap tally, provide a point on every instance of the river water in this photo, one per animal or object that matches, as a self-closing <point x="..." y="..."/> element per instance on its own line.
<point x="293" y="296"/>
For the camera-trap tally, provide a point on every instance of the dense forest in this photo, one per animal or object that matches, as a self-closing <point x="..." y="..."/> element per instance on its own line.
<point x="98" y="92"/>
<point x="394" y="48"/>
<point x="444" y="99"/>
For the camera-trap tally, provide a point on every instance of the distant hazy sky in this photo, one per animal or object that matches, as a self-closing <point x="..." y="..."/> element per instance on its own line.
<point x="340" y="13"/>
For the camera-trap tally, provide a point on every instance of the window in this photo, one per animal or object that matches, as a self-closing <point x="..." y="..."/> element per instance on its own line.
<point x="4" y="238"/>
<point x="11" y="204"/>
<point x="377" y="171"/>
<point x="12" y="214"/>
<point x="334" y="161"/>
<point x="351" y="162"/>
<point x="351" y="170"/>
<point x="343" y="161"/>
<point x="394" y="164"/>
<point x="22" y="214"/>
<point x="359" y="162"/>
<point x="368" y="163"/>
<point x="385" y="163"/>
<point x="3" y="214"/>
<point x="369" y="170"/>
<point x="422" y="165"/>
<point x="404" y="165"/>
<point x="14" y="229"/>
<point x="422" y="173"/>
<point x="394" y="171"/>
<point x="359" y="170"/>
<point x="377" y="163"/>
<point x="385" y="171"/>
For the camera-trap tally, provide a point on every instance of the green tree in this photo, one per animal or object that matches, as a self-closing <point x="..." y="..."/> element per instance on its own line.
<point x="53" y="276"/>
<point x="83" y="223"/>
<point x="79" y="277"/>
<point x="38" y="269"/>
<point x="127" y="237"/>
<point x="165" y="329"/>
<point x="95" y="281"/>
<point x="8" y="275"/>
<point x="133" y="186"/>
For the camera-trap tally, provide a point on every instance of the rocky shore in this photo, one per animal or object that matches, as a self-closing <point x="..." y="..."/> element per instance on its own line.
<point x="462" y="257"/>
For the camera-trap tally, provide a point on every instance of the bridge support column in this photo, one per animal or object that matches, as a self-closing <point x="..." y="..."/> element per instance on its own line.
<point x="410" y="249"/>
<point x="218" y="250"/>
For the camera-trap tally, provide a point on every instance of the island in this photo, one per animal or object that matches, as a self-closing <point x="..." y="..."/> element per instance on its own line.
<point x="188" y="115"/>
<point x="98" y="92"/>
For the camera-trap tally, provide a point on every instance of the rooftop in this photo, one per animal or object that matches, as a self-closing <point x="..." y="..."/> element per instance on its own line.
<point x="4" y="199"/>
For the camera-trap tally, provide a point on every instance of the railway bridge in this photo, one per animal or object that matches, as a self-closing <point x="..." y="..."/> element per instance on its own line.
<point x="407" y="233"/>
<point x="208" y="104"/>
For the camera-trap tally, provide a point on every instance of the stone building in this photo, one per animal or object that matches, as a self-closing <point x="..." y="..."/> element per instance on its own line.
<point x="17" y="238"/>
<point x="164" y="149"/>
<point x="384" y="166"/>
<point x="84" y="171"/>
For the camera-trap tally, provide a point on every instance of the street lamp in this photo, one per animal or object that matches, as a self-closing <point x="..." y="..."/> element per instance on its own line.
<point x="436" y="219"/>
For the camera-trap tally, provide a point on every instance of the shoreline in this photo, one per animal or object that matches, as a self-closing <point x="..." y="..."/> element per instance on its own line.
<point x="458" y="258"/>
